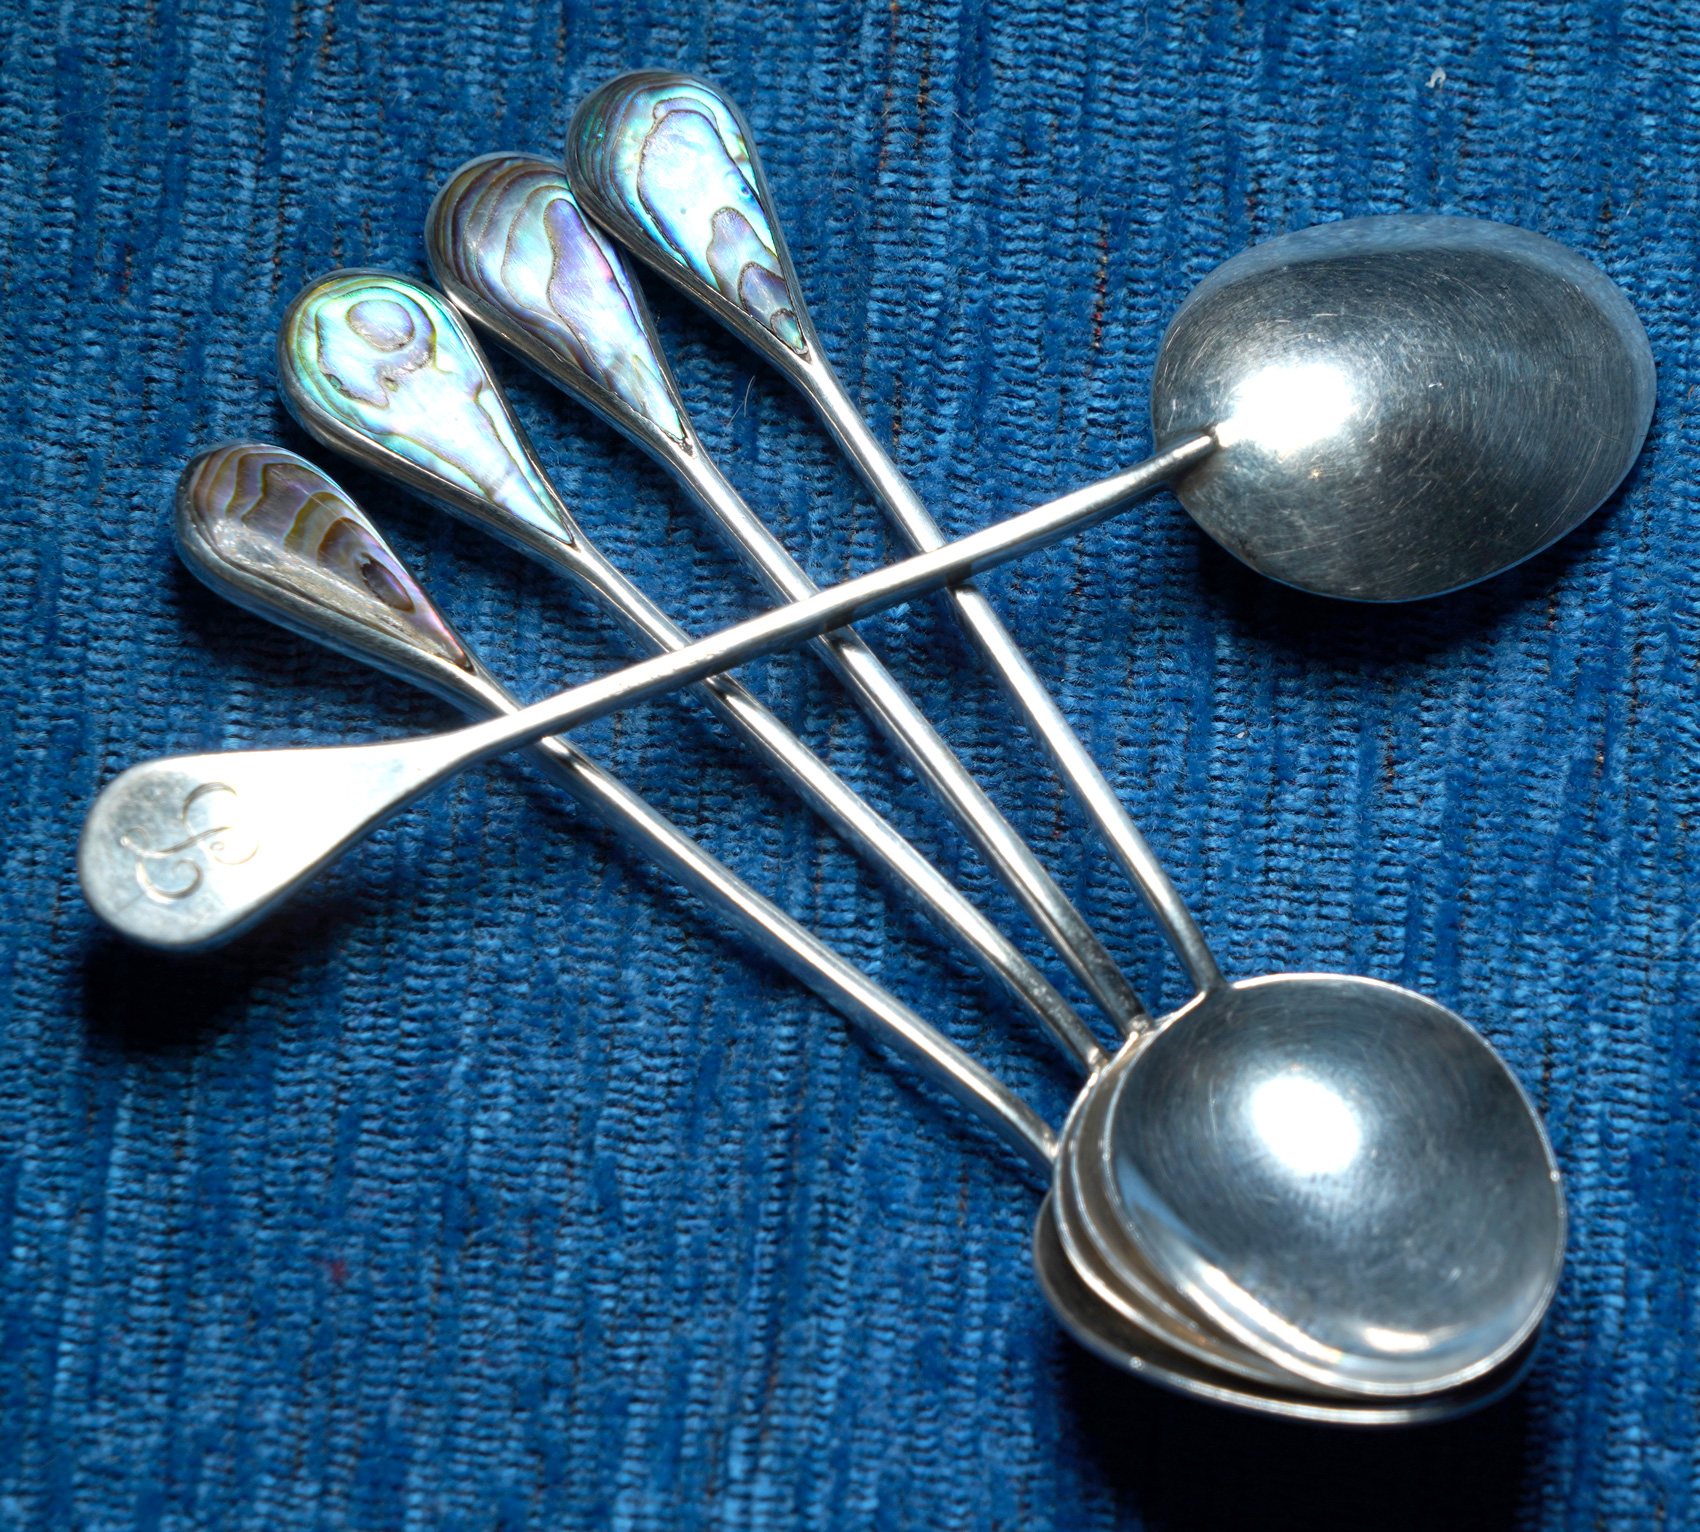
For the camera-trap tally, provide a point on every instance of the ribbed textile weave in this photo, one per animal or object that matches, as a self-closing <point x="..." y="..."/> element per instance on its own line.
<point x="494" y="1185"/>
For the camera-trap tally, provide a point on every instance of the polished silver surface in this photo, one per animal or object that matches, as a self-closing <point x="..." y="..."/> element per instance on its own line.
<point x="1092" y="1228"/>
<point x="1448" y="1207"/>
<point x="1134" y="1350"/>
<point x="1405" y="404"/>
<point x="1311" y="1196"/>
<point x="510" y="248"/>
<point x="270" y="819"/>
<point x="1344" y="1177"/>
<point x="274" y="534"/>
<point x="668" y="165"/>
<point x="383" y="369"/>
<point x="1481" y="358"/>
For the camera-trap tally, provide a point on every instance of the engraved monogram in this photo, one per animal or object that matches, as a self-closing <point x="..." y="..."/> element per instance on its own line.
<point x="173" y="872"/>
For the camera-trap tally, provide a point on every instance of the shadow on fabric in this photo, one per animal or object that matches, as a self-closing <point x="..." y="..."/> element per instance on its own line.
<point x="1193" y="1466"/>
<point x="142" y="1002"/>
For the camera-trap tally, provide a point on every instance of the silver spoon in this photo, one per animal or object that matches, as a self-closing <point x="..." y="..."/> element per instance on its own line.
<point x="1453" y="1269"/>
<point x="509" y="247"/>
<point x="1340" y="1175"/>
<point x="271" y="532"/>
<point x="1110" y="1336"/>
<point x="1155" y="1334"/>
<point x="275" y="535"/>
<point x="285" y="814"/>
<point x="1405" y="404"/>
<point x="382" y="368"/>
<point x="1485" y="390"/>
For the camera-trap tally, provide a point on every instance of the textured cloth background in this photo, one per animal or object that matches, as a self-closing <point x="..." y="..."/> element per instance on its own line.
<point x="494" y="1185"/>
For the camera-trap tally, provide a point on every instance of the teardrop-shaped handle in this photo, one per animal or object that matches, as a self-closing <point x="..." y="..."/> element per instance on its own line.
<point x="274" y="534"/>
<point x="508" y="244"/>
<point x="667" y="164"/>
<point x="382" y="368"/>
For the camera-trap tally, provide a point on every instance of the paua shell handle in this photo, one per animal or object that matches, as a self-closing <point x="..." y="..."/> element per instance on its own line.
<point x="276" y="535"/>
<point x="668" y="165"/>
<point x="508" y="243"/>
<point x="383" y="368"/>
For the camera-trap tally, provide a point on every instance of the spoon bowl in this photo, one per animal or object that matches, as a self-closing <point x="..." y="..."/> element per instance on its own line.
<point x="1403" y="404"/>
<point x="1344" y="1177"/>
<point x="1093" y="1230"/>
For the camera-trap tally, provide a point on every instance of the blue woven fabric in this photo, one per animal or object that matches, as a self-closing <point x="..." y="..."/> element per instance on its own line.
<point x="494" y="1184"/>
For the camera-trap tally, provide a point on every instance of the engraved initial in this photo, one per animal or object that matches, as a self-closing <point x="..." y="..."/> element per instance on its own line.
<point x="171" y="872"/>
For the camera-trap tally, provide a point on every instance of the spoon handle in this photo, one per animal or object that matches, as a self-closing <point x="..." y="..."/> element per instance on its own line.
<point x="184" y="853"/>
<point x="1029" y="693"/>
<point x="268" y="530"/>
<point x="668" y="165"/>
<point x="382" y="369"/>
<point x="508" y="245"/>
<point x="837" y="981"/>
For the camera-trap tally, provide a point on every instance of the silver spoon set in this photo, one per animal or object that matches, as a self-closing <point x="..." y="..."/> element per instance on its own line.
<point x="1314" y="1196"/>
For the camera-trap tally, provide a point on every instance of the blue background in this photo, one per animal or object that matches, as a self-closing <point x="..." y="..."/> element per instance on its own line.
<point x="494" y="1185"/>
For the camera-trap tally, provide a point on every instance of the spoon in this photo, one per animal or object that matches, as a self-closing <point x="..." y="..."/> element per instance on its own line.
<point x="271" y="532"/>
<point x="268" y="530"/>
<point x="509" y="247"/>
<point x="1154" y="1333"/>
<point x="1455" y="1271"/>
<point x="1341" y="1175"/>
<point x="1112" y="1338"/>
<point x="1404" y="404"/>
<point x="384" y="370"/>
<point x="263" y="822"/>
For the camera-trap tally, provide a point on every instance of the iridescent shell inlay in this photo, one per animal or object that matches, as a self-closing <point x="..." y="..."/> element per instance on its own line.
<point x="274" y="517"/>
<point x="507" y="228"/>
<point x="391" y="360"/>
<point x="669" y="151"/>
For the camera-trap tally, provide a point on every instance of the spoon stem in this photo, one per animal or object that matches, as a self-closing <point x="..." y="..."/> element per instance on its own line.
<point x="841" y="806"/>
<point x="786" y="626"/>
<point x="556" y="540"/>
<point x="1029" y="693"/>
<point x="269" y="532"/>
<point x="838" y="982"/>
<point x="531" y="296"/>
<point x="897" y="715"/>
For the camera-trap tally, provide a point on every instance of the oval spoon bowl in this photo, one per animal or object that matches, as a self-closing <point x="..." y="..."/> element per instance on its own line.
<point x="1404" y="404"/>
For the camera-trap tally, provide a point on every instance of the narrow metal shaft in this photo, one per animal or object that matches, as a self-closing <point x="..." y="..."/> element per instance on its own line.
<point x="895" y="712"/>
<point x="839" y="983"/>
<point x="869" y="832"/>
<point x="916" y="526"/>
<point x="552" y="536"/>
<point x="295" y="811"/>
<point x="433" y="759"/>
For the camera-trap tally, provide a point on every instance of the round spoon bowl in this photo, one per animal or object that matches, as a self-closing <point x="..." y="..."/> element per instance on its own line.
<point x="1345" y="1177"/>
<point x="1404" y="405"/>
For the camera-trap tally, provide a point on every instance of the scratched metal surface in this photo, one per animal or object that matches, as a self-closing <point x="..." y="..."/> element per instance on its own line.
<point x="494" y="1185"/>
